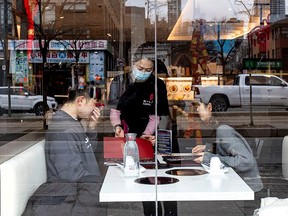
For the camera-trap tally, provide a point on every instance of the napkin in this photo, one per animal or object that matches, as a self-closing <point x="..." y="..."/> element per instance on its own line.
<point x="121" y="166"/>
<point x="272" y="206"/>
<point x="223" y="169"/>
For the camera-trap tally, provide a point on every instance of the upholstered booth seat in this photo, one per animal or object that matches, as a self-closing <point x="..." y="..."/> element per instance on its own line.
<point x="21" y="175"/>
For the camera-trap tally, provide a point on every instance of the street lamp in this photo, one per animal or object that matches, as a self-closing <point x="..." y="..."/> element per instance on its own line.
<point x="121" y="37"/>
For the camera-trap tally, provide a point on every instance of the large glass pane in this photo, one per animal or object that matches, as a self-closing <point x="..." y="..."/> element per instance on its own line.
<point x="202" y="84"/>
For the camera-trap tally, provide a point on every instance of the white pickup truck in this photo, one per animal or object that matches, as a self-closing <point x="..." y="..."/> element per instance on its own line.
<point x="267" y="90"/>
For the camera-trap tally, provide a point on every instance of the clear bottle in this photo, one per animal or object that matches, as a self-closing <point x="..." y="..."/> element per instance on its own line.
<point x="131" y="156"/>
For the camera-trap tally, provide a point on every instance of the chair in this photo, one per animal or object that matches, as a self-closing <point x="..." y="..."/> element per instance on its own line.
<point x="259" y="144"/>
<point x="285" y="157"/>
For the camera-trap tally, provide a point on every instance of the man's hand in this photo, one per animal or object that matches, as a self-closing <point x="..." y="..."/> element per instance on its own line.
<point x="151" y="138"/>
<point x="198" y="148"/>
<point x="94" y="118"/>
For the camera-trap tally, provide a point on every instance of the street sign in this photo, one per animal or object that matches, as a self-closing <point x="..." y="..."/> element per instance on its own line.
<point x="120" y="62"/>
<point x="3" y="67"/>
<point x="255" y="63"/>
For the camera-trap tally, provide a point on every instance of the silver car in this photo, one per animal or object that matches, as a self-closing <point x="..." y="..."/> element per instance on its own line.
<point x="24" y="100"/>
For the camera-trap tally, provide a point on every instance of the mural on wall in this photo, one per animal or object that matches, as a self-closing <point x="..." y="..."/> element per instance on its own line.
<point x="96" y="67"/>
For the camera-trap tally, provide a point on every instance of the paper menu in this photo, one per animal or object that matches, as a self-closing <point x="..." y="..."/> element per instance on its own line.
<point x="164" y="141"/>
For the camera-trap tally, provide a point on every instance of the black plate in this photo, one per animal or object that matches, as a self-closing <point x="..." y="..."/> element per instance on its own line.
<point x="186" y="172"/>
<point x="160" y="180"/>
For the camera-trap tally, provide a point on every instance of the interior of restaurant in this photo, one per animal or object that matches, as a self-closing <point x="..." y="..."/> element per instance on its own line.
<point x="132" y="130"/>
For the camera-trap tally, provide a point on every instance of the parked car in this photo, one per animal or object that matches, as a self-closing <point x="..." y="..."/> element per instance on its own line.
<point x="267" y="90"/>
<point x="24" y="100"/>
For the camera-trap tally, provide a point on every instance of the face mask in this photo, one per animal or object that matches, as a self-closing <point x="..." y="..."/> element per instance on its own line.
<point x="140" y="76"/>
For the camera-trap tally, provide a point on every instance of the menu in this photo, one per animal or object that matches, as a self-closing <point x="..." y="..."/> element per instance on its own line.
<point x="164" y="141"/>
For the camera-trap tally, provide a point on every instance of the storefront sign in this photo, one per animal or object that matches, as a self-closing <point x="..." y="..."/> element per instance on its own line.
<point x="59" y="45"/>
<point x="120" y="62"/>
<point x="58" y="56"/>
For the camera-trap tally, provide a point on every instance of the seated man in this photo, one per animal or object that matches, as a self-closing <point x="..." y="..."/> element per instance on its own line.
<point x="74" y="178"/>
<point x="231" y="148"/>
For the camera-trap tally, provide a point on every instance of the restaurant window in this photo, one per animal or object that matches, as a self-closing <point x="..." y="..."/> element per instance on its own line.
<point x="197" y="55"/>
<point x="256" y="81"/>
<point x="49" y="14"/>
<point x="75" y="7"/>
<point x="284" y="32"/>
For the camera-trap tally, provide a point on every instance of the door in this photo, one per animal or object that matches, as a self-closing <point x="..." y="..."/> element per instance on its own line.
<point x="259" y="86"/>
<point x="277" y="91"/>
<point x="20" y="99"/>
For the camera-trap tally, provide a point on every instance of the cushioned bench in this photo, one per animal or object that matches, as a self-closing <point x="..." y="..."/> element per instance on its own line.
<point x="21" y="175"/>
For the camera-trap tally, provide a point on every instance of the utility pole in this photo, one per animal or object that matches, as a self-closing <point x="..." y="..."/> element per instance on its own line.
<point x="5" y="44"/>
<point x="122" y="33"/>
<point x="5" y="55"/>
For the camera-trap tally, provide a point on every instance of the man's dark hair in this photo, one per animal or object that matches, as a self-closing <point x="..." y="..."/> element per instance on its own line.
<point x="74" y="93"/>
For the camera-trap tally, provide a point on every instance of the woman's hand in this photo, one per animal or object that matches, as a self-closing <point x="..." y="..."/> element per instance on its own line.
<point x="198" y="148"/>
<point x="199" y="157"/>
<point x="119" y="132"/>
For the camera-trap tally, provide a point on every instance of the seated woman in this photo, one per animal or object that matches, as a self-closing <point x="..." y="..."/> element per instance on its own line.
<point x="231" y="148"/>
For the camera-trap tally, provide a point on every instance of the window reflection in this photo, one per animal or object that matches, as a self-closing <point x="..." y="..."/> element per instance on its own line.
<point x="197" y="48"/>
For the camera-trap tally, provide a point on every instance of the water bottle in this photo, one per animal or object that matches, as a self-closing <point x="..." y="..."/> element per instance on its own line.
<point x="131" y="156"/>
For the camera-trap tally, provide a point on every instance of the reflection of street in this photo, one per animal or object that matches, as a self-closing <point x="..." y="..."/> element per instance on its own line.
<point x="18" y="125"/>
<point x="271" y="126"/>
<point x="269" y="161"/>
<point x="23" y="123"/>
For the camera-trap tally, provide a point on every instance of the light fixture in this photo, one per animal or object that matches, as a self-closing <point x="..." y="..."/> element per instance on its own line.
<point x="61" y="17"/>
<point x="109" y="34"/>
<point x="18" y="27"/>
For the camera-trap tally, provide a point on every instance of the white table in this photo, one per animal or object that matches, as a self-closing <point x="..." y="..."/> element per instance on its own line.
<point x="228" y="186"/>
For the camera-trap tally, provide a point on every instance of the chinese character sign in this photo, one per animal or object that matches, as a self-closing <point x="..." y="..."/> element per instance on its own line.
<point x="59" y="56"/>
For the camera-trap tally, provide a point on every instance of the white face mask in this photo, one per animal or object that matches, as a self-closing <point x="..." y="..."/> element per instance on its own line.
<point x="139" y="75"/>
